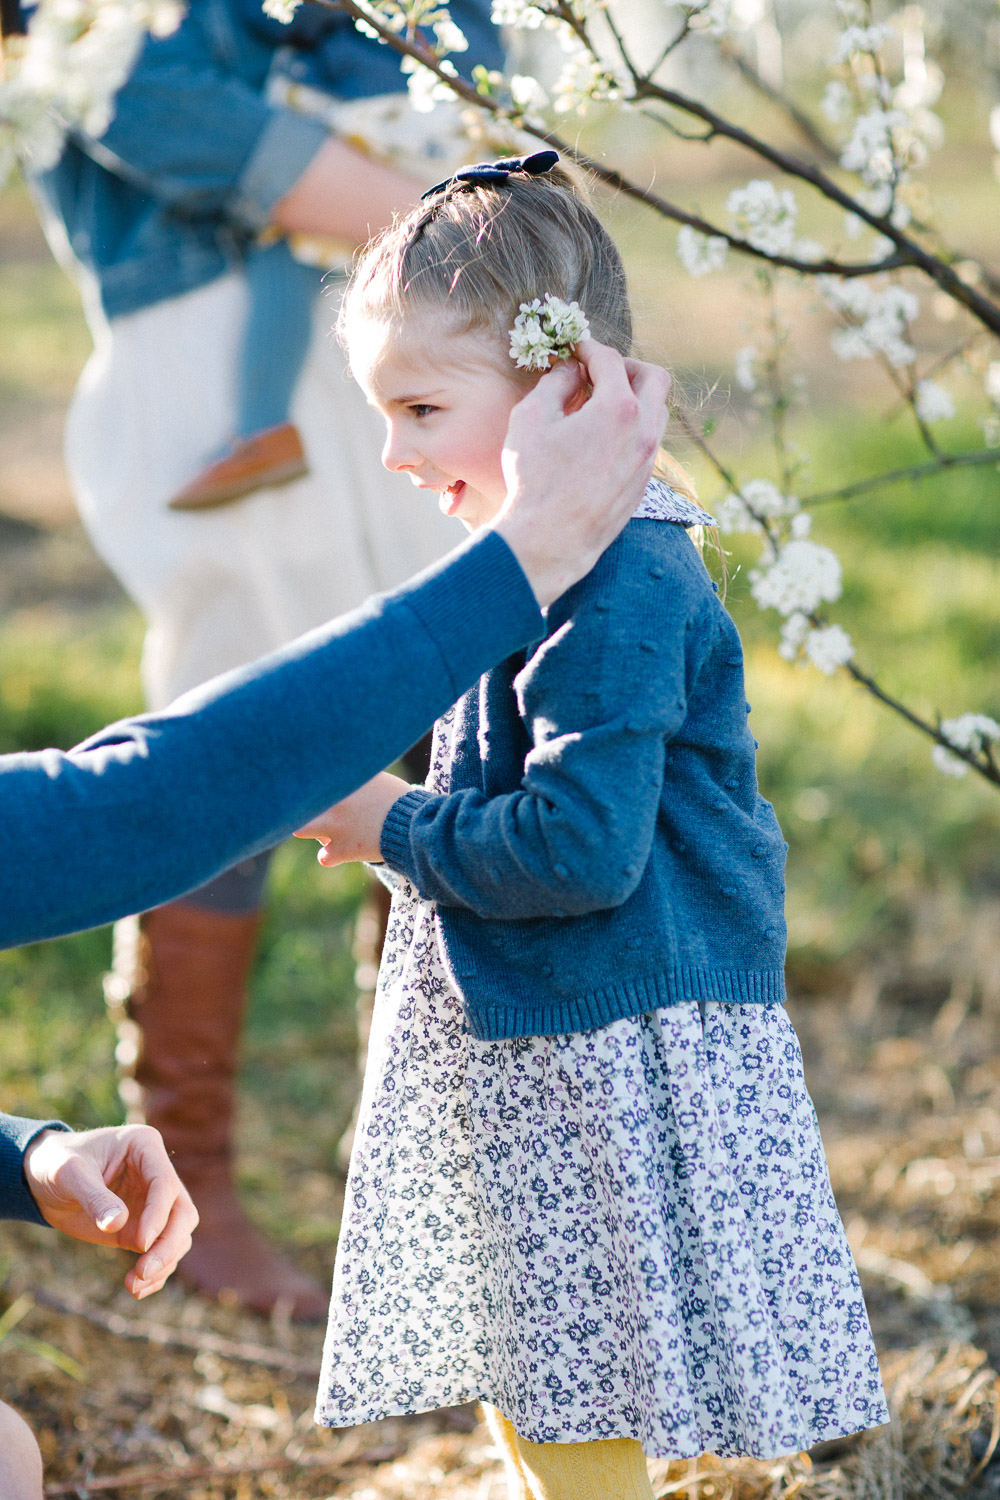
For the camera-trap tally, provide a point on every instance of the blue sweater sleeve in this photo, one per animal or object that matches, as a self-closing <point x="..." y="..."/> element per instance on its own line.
<point x="16" y="1135"/>
<point x="600" y="698"/>
<point x="161" y="803"/>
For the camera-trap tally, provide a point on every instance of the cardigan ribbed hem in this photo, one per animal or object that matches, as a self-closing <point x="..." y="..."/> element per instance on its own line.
<point x="493" y="1021"/>
<point x="395" y="839"/>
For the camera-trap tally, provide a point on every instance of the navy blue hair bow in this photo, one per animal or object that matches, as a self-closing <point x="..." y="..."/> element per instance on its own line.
<point x="488" y="173"/>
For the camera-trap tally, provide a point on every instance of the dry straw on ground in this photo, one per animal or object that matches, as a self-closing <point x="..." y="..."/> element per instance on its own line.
<point x="903" y="1058"/>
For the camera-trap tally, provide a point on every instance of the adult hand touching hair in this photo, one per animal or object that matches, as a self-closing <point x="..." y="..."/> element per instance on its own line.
<point x="615" y="434"/>
<point x="116" y="1187"/>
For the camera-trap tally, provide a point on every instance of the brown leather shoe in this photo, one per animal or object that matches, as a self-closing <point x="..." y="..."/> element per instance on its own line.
<point x="184" y="988"/>
<point x="273" y="456"/>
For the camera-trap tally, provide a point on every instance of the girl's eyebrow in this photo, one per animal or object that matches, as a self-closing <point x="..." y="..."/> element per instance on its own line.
<point x="409" y="400"/>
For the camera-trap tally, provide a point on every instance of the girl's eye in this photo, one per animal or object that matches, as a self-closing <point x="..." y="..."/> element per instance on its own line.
<point x="421" y="409"/>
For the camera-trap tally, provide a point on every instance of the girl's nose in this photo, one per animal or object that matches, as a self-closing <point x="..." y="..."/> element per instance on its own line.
<point x="397" y="455"/>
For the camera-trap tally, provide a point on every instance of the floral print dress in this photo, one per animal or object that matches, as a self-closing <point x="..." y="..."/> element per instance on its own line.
<point x="628" y="1232"/>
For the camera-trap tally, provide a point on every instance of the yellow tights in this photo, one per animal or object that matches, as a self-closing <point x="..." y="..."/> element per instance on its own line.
<point x="614" y="1469"/>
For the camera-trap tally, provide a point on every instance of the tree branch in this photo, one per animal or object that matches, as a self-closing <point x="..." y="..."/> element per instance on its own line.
<point x="898" y="476"/>
<point x="908" y="252"/>
<point x="806" y="127"/>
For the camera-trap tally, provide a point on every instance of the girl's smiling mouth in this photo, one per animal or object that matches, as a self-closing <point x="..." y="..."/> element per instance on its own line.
<point x="451" y="497"/>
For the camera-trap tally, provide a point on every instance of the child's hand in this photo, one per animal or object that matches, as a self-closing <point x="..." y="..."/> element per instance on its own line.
<point x="352" y="829"/>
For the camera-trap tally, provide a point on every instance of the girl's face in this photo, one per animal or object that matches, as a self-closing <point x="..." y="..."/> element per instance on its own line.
<point x="446" y="403"/>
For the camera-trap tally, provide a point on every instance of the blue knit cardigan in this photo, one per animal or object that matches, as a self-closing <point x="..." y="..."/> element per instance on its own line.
<point x="603" y="849"/>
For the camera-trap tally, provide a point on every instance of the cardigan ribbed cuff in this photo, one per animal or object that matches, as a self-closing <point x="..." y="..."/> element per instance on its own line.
<point x="394" y="843"/>
<point x="478" y="606"/>
<point x="16" y="1135"/>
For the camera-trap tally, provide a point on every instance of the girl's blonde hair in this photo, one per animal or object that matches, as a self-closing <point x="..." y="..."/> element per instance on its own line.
<point x="475" y="252"/>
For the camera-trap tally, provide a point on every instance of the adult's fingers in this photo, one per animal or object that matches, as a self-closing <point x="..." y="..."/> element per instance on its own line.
<point x="80" y="1180"/>
<point x="553" y="390"/>
<point x="153" y="1268"/>
<point x="651" y="383"/>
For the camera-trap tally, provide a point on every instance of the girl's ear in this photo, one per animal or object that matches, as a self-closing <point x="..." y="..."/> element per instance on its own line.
<point x="583" y="391"/>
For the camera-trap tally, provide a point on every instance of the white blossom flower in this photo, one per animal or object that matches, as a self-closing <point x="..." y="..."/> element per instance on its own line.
<point x="711" y="17"/>
<point x="546" y="331"/>
<point x="828" y="647"/>
<point x="855" y="39"/>
<point x="584" y="79"/>
<point x="801" y="525"/>
<point x="764" y="215"/>
<point x="871" y="150"/>
<point x="968" y="732"/>
<point x="879" y="320"/>
<point x="426" y="89"/>
<point x="836" y="101"/>
<point x="700" y="254"/>
<point x="450" y="38"/>
<point x="517" y="13"/>
<point x="743" y="367"/>
<point x="527" y="93"/>
<point x="799" y="578"/>
<point x="991" y="381"/>
<point x="933" y="402"/>
<point x="793" y="633"/>
<point x="758" y="500"/>
<point x="66" y="72"/>
<point x="284" y="11"/>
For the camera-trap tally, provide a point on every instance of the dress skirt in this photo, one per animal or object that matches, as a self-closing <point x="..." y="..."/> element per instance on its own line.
<point x="628" y="1232"/>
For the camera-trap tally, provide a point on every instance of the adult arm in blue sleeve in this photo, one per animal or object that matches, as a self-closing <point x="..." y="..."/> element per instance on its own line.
<point x="600" y="698"/>
<point x="158" y="804"/>
<point x="16" y="1135"/>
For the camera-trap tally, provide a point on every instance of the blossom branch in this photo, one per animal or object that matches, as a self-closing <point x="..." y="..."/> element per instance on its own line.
<point x="908" y="251"/>
<point x="977" y="755"/>
<point x="909" y="472"/>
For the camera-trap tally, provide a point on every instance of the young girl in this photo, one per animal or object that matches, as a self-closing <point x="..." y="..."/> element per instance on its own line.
<point x="588" y="1187"/>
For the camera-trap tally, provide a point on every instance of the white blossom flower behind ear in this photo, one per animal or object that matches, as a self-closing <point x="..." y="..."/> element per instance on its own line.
<point x="546" y="331"/>
<point x="933" y="402"/>
<point x="700" y="254"/>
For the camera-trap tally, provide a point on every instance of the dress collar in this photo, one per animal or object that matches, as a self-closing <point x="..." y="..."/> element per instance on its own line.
<point x="661" y="503"/>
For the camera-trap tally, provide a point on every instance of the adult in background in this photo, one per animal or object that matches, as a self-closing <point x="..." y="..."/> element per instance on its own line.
<point x="199" y="170"/>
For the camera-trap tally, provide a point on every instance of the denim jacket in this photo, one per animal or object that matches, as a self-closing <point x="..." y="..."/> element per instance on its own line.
<point x="195" y="157"/>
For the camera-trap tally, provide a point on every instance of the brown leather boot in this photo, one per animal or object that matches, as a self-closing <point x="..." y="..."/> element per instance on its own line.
<point x="266" y="458"/>
<point x="184" y="992"/>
